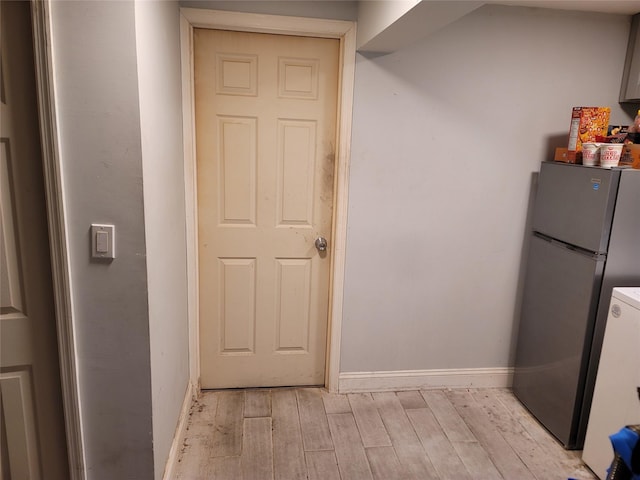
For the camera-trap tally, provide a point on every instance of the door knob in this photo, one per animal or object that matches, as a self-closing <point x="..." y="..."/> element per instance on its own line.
<point x="321" y="244"/>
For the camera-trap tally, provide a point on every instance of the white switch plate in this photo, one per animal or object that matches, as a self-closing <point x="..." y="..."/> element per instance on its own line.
<point x="103" y="242"/>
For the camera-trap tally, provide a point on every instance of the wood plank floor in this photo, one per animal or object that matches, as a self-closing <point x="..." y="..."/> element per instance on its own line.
<point x="307" y="433"/>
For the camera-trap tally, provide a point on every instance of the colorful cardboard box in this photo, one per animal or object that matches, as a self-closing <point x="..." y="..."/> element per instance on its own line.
<point x="586" y="124"/>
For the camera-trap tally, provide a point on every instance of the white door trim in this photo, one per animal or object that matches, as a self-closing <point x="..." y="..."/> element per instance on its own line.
<point x="249" y="22"/>
<point x="53" y="185"/>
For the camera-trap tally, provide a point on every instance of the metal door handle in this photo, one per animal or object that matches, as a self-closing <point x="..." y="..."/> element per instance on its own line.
<point x="321" y="244"/>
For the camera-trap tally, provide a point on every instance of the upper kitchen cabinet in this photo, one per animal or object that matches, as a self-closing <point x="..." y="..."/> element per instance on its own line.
<point x="630" y="90"/>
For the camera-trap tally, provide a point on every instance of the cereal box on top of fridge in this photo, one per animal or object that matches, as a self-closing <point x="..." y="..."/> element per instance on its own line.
<point x="586" y="124"/>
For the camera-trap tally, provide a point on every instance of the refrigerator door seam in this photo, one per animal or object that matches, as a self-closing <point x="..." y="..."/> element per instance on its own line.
<point x="569" y="246"/>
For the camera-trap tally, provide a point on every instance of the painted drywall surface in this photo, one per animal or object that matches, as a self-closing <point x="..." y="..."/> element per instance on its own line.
<point x="99" y="124"/>
<point x="419" y="22"/>
<point x="447" y="135"/>
<point x="331" y="9"/>
<point x="158" y="47"/>
<point x="375" y="17"/>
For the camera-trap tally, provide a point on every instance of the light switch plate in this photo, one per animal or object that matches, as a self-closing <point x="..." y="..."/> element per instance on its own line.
<point x="103" y="241"/>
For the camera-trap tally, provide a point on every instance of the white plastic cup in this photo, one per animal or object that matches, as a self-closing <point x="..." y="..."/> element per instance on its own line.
<point x="590" y="154"/>
<point x="610" y="154"/>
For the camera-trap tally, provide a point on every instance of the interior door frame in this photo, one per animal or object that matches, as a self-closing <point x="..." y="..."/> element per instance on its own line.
<point x="60" y="266"/>
<point x="345" y="31"/>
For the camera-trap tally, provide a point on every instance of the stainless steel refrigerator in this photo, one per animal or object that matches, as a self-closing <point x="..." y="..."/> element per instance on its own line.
<point x="585" y="241"/>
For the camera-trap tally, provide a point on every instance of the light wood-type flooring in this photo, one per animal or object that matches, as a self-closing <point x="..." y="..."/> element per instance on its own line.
<point x="307" y="433"/>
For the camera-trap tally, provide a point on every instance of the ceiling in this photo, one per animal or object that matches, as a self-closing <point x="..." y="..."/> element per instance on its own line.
<point x="624" y="7"/>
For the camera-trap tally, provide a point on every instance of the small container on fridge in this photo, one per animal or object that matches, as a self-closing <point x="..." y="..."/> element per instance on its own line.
<point x="590" y="152"/>
<point x="610" y="154"/>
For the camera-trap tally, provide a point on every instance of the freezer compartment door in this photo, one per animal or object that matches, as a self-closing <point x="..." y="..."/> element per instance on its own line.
<point x="558" y="313"/>
<point x="575" y="204"/>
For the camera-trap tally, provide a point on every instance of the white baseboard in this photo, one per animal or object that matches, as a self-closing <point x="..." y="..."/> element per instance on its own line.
<point x="351" y="382"/>
<point x="181" y="430"/>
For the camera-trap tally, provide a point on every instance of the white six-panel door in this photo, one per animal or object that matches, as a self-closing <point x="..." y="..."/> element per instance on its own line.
<point x="31" y="417"/>
<point x="265" y="128"/>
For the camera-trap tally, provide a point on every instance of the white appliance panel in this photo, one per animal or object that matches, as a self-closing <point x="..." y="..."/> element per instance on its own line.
<point x="616" y="401"/>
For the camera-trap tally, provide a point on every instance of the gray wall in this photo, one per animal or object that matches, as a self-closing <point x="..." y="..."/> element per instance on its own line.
<point x="332" y="9"/>
<point x="447" y="134"/>
<point x="117" y="72"/>
<point x="94" y="46"/>
<point x="158" y="46"/>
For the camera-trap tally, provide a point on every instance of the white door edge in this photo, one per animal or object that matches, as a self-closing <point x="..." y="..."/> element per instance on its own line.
<point x="60" y="267"/>
<point x="345" y="31"/>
